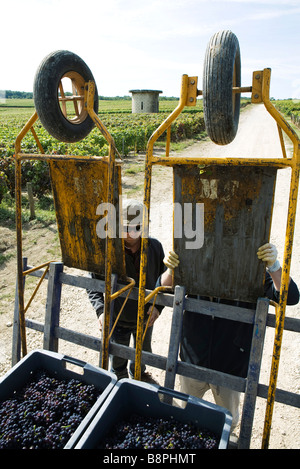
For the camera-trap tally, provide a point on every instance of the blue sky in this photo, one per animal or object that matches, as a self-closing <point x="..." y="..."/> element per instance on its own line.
<point x="142" y="44"/>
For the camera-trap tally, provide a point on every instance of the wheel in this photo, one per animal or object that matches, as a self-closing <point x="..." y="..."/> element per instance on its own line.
<point x="222" y="71"/>
<point x="62" y="115"/>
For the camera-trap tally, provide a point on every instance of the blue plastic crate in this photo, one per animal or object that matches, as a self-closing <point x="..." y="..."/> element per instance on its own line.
<point x="129" y="396"/>
<point x="61" y="367"/>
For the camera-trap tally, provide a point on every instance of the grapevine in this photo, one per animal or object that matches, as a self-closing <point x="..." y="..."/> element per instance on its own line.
<point x="291" y="109"/>
<point x="130" y="132"/>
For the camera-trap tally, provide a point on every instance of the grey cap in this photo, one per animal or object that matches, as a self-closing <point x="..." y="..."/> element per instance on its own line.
<point x="132" y="212"/>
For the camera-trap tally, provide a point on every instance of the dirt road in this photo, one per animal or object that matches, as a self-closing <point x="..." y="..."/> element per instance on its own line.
<point x="257" y="137"/>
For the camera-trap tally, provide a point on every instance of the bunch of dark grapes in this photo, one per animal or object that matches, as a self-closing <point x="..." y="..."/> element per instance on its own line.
<point x="138" y="432"/>
<point x="45" y="412"/>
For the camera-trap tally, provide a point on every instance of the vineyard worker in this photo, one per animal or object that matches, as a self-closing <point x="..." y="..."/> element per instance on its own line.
<point x="222" y="344"/>
<point x="127" y="323"/>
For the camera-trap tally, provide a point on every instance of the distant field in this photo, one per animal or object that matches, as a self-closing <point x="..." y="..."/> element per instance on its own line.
<point x="105" y="105"/>
<point x="288" y="106"/>
<point x="16" y="103"/>
<point x="130" y="132"/>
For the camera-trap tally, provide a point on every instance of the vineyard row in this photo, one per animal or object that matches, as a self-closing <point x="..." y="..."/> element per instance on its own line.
<point x="130" y="132"/>
<point x="290" y="108"/>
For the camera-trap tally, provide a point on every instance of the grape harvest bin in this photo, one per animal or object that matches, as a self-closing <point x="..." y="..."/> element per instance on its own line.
<point x="62" y="367"/>
<point x="129" y="396"/>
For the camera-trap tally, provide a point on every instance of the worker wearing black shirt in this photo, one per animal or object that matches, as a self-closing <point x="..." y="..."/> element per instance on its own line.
<point x="127" y="323"/>
<point x="221" y="344"/>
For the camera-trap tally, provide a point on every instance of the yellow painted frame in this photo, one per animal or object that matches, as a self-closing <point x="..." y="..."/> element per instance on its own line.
<point x="111" y="161"/>
<point x="260" y="94"/>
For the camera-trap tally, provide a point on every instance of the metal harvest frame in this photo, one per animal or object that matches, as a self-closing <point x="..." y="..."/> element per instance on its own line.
<point x="110" y="163"/>
<point x="260" y="93"/>
<point x="189" y="93"/>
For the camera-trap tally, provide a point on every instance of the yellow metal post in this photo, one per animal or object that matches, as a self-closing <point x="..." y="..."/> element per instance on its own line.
<point x="89" y="94"/>
<point x="20" y="279"/>
<point x="280" y="310"/>
<point x="280" y="314"/>
<point x="18" y="189"/>
<point x="110" y="223"/>
<point x="145" y="226"/>
<point x="108" y="258"/>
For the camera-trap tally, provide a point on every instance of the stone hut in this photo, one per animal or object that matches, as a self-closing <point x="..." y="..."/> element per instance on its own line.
<point x="145" y="100"/>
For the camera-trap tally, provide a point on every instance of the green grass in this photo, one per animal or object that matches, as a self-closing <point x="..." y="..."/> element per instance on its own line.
<point x="44" y="211"/>
<point x="133" y="169"/>
<point x="6" y="257"/>
<point x="19" y="103"/>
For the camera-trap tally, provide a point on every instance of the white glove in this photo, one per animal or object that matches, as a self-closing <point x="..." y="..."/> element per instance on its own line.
<point x="268" y="254"/>
<point x="171" y="261"/>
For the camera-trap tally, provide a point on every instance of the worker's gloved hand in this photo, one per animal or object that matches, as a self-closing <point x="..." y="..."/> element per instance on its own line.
<point x="268" y="254"/>
<point x="171" y="261"/>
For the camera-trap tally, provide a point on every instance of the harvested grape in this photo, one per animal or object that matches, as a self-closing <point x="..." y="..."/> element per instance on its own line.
<point x="45" y="412"/>
<point x="139" y="432"/>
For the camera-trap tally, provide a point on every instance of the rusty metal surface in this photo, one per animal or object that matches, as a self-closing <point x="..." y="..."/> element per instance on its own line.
<point x="78" y="189"/>
<point x="238" y="204"/>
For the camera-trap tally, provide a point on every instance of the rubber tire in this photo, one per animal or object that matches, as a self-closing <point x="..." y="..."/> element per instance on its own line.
<point x="222" y="71"/>
<point x="45" y="93"/>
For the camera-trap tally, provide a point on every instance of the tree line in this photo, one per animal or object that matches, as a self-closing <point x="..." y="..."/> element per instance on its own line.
<point x="8" y="94"/>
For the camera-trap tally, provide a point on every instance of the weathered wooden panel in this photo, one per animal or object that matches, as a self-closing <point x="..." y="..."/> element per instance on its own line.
<point x="78" y="189"/>
<point x="221" y="260"/>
